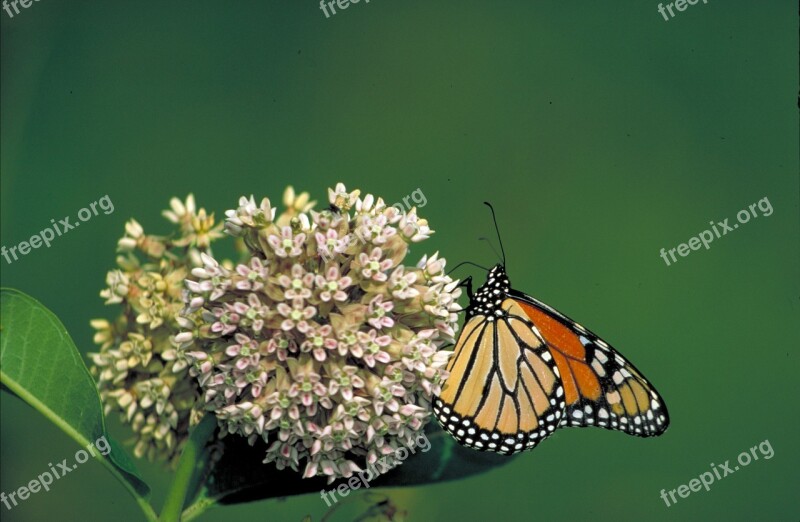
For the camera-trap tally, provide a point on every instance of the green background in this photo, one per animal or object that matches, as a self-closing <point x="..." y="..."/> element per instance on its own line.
<point x="601" y="133"/>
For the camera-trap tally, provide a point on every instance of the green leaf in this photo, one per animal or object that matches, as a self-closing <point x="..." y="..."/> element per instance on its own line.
<point x="240" y="476"/>
<point x="40" y="364"/>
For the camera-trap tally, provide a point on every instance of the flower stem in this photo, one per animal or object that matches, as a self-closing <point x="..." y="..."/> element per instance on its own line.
<point x="198" y="508"/>
<point x="188" y="466"/>
<point x="147" y="509"/>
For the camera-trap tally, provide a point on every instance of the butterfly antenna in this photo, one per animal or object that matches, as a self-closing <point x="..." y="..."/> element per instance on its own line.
<point x="466" y="263"/>
<point x="491" y="245"/>
<point x="497" y="229"/>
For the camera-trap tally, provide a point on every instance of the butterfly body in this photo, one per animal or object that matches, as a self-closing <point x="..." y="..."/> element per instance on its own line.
<point x="521" y="369"/>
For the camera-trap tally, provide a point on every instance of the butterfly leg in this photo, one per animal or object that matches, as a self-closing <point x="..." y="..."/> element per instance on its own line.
<point x="467" y="283"/>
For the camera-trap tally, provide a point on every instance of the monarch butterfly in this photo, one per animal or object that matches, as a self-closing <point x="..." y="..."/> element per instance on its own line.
<point x="520" y="369"/>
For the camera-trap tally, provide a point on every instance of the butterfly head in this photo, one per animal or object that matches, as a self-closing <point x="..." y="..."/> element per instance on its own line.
<point x="489" y="297"/>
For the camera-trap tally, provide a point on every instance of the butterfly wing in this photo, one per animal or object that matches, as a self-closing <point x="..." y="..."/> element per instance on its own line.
<point x="504" y="393"/>
<point x="601" y="387"/>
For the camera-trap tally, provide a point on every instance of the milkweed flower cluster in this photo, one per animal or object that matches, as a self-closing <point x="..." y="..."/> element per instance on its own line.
<point x="140" y="372"/>
<point x="323" y="344"/>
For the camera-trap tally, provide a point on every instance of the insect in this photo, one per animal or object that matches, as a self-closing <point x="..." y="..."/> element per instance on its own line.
<point x="521" y="369"/>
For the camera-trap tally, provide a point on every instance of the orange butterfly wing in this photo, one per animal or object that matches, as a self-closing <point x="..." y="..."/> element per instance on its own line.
<point x="601" y="388"/>
<point x="503" y="393"/>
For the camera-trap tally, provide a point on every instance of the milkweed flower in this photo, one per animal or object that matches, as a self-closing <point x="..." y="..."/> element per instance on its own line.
<point x="139" y="371"/>
<point x="324" y="345"/>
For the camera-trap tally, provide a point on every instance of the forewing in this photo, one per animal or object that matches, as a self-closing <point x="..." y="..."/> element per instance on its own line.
<point x="601" y="387"/>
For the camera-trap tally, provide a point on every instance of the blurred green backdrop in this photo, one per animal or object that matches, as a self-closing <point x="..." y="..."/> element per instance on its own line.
<point x="601" y="132"/>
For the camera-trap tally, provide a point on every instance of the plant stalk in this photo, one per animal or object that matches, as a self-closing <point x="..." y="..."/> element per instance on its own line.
<point x="188" y="466"/>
